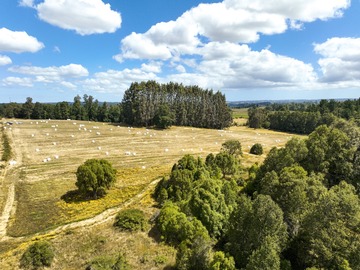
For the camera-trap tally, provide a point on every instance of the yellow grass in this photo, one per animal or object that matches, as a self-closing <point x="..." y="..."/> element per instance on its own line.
<point x="40" y="185"/>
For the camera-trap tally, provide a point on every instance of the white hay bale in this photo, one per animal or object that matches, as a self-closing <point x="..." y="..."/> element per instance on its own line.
<point x="74" y="123"/>
<point x="47" y="134"/>
<point x="48" y="159"/>
<point x="56" y="156"/>
<point x="134" y="153"/>
<point x="45" y="160"/>
<point x="97" y="133"/>
<point x="37" y="150"/>
<point x="99" y="147"/>
<point x="107" y="153"/>
<point x="93" y="141"/>
<point x="90" y="130"/>
<point x="37" y="123"/>
<point x="32" y="135"/>
<point x="84" y="129"/>
<point x="55" y="129"/>
<point x="127" y="153"/>
<point x="12" y="162"/>
<point x="166" y="150"/>
<point x="72" y="136"/>
<point x="54" y="143"/>
<point x="143" y="167"/>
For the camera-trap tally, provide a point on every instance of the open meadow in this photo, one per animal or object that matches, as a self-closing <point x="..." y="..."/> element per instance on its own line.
<point x="46" y="155"/>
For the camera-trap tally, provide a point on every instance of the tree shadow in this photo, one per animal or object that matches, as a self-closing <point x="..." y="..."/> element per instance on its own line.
<point x="155" y="234"/>
<point x="75" y="196"/>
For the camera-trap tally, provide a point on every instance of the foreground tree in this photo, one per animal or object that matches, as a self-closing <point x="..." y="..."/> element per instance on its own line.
<point x="38" y="255"/>
<point x="232" y="147"/>
<point x="95" y="176"/>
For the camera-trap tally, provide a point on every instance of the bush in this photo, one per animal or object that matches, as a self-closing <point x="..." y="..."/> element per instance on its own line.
<point x="6" y="148"/>
<point x="256" y="149"/>
<point x="109" y="263"/>
<point x="38" y="255"/>
<point x="131" y="220"/>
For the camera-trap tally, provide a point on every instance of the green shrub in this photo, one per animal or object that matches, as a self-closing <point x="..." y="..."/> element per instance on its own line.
<point x="256" y="149"/>
<point x="6" y="148"/>
<point x="131" y="220"/>
<point x="37" y="255"/>
<point x="109" y="263"/>
<point x="160" y="259"/>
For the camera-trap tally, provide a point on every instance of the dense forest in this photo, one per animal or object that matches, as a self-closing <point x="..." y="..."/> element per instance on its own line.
<point x="143" y="104"/>
<point x="86" y="109"/>
<point x="299" y="209"/>
<point x="303" y="118"/>
<point x="186" y="105"/>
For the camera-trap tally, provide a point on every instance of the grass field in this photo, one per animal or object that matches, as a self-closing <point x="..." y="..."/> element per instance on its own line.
<point x="139" y="155"/>
<point x="240" y="113"/>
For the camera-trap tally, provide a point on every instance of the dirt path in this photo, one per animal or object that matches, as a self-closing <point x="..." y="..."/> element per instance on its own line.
<point x="102" y="217"/>
<point x="4" y="219"/>
<point x="10" y="198"/>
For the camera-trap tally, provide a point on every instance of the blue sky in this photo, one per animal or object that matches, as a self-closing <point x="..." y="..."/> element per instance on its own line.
<point x="53" y="50"/>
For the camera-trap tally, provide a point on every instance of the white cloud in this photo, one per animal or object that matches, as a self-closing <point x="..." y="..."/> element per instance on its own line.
<point x="52" y="73"/>
<point x="113" y="81"/>
<point x="154" y="67"/>
<point x="228" y="65"/>
<point x="86" y="17"/>
<point x="301" y="10"/>
<point x="5" y="60"/>
<point x="26" y="3"/>
<point x="18" y="42"/>
<point x="231" y="20"/>
<point x="11" y="81"/>
<point x="340" y="59"/>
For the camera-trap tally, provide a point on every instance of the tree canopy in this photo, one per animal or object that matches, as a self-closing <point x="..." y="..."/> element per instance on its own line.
<point x="95" y="176"/>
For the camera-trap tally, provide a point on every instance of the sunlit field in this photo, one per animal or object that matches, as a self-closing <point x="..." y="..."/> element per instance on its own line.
<point x="47" y="154"/>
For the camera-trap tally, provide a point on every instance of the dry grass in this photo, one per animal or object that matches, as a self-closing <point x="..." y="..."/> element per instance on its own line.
<point x="40" y="185"/>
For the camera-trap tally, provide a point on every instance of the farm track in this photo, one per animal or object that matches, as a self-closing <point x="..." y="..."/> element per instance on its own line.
<point x="10" y="198"/>
<point x="103" y="217"/>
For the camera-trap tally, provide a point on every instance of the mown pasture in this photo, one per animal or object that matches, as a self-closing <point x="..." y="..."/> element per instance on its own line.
<point x="49" y="152"/>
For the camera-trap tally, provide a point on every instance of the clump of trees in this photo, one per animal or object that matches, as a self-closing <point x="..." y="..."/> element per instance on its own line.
<point x="38" y="255"/>
<point x="143" y="105"/>
<point x="94" y="177"/>
<point x="130" y="220"/>
<point x="299" y="209"/>
<point x="256" y="149"/>
<point x="303" y="118"/>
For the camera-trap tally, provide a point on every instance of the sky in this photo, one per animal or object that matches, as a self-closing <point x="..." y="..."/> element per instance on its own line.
<point x="53" y="50"/>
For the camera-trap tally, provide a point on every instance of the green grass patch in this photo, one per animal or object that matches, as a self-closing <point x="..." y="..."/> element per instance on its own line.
<point x="240" y="113"/>
<point x="7" y="153"/>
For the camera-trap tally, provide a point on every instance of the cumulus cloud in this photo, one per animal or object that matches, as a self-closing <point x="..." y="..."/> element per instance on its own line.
<point x="11" y="81"/>
<point x="113" y="81"/>
<point x="340" y="59"/>
<point x="228" y="65"/>
<point x="46" y="75"/>
<point x="5" y="60"/>
<point x="52" y="73"/>
<point x="26" y="3"/>
<point x="18" y="42"/>
<point x="86" y="17"/>
<point x="229" y="21"/>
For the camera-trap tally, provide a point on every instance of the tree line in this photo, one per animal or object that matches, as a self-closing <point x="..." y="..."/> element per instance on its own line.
<point x="144" y="104"/>
<point x="303" y="118"/>
<point x="299" y="209"/>
<point x="186" y="105"/>
<point x="87" y="108"/>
